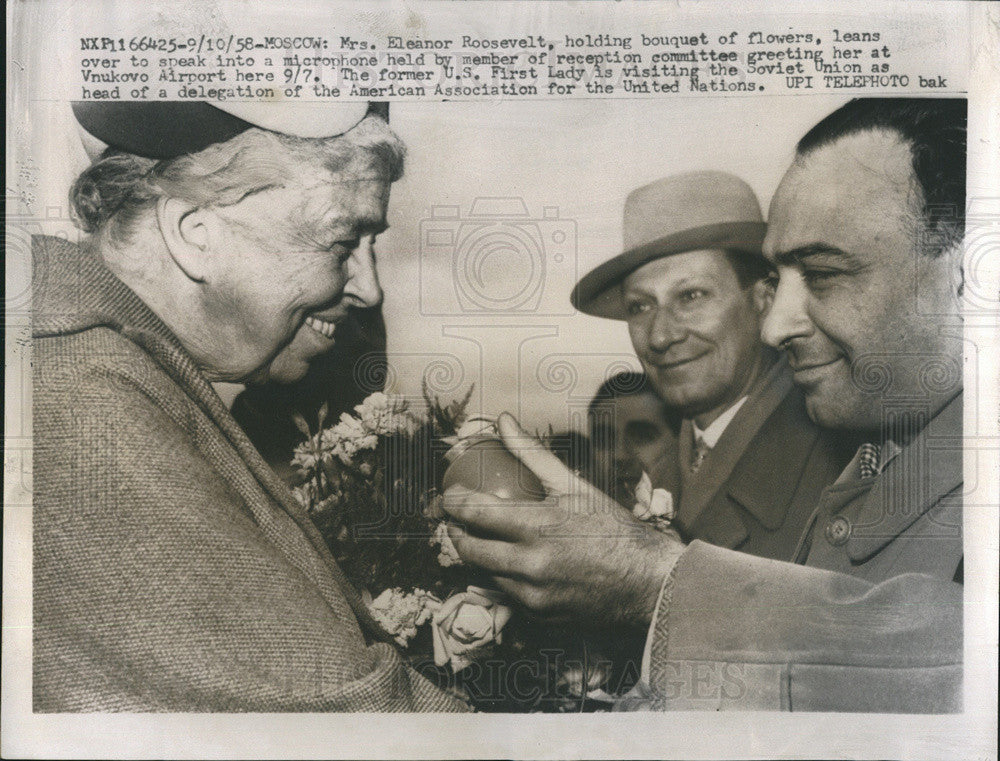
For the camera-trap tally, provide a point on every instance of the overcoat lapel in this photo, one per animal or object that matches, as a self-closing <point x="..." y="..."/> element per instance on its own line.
<point x="697" y="490"/>
<point x="764" y="481"/>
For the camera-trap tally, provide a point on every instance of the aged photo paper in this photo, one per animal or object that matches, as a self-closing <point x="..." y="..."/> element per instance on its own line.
<point x="523" y="379"/>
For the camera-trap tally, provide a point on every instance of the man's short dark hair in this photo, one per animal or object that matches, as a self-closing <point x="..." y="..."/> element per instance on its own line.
<point x="935" y="129"/>
<point x="621" y="386"/>
<point x="627" y="383"/>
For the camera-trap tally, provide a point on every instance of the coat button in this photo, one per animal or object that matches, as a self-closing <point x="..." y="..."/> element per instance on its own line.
<point x="838" y="531"/>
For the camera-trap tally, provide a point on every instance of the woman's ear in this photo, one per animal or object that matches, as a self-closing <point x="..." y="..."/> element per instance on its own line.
<point x="186" y="236"/>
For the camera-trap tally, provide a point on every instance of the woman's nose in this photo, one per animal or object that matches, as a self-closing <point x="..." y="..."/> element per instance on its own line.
<point x="362" y="275"/>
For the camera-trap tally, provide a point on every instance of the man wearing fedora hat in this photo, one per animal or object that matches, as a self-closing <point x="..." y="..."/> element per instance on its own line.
<point x="173" y="570"/>
<point x="692" y="284"/>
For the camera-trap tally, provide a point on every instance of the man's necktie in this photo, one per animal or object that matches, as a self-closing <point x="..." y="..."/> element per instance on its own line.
<point x="698" y="453"/>
<point x="869" y="460"/>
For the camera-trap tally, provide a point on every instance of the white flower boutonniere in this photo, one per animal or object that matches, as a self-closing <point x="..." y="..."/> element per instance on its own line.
<point x="655" y="506"/>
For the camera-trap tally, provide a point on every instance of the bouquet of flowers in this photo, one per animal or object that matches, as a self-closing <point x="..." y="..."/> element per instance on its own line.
<point x="371" y="482"/>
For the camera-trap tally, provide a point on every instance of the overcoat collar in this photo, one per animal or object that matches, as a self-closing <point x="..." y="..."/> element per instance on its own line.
<point x="765" y="480"/>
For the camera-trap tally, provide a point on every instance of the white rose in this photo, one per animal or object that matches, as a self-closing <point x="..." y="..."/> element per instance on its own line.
<point x="466" y="625"/>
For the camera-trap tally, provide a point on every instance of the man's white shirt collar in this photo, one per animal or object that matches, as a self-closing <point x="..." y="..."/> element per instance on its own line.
<point x="717" y="427"/>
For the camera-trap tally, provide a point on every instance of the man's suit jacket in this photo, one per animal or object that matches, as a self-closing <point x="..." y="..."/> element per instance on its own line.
<point x="871" y="620"/>
<point x="173" y="570"/>
<point x="758" y="486"/>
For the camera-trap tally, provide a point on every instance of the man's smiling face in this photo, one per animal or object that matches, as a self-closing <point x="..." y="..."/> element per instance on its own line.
<point x="859" y="305"/>
<point x="695" y="329"/>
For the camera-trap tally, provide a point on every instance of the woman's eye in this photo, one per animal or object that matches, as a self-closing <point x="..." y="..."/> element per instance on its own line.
<point x="693" y="294"/>
<point x="633" y="308"/>
<point x="343" y="249"/>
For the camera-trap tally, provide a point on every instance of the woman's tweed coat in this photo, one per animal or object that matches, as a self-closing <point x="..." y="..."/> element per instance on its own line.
<point x="173" y="571"/>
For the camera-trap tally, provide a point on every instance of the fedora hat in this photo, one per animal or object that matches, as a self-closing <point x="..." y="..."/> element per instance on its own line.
<point x="683" y="212"/>
<point x="168" y="129"/>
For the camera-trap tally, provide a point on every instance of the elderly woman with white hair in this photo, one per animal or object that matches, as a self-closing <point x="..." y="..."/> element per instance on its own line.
<point x="173" y="571"/>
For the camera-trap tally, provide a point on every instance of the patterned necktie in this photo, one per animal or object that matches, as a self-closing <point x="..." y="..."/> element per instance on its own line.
<point x="701" y="449"/>
<point x="868" y="463"/>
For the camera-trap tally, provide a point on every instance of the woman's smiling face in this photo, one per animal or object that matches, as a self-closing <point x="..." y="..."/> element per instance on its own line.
<point x="288" y="263"/>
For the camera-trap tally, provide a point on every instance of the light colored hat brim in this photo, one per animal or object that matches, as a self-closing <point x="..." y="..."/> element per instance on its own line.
<point x="598" y="293"/>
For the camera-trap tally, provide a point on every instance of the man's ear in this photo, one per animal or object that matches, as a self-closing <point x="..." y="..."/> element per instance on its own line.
<point x="955" y="256"/>
<point x="941" y="278"/>
<point x="763" y="295"/>
<point x="186" y="236"/>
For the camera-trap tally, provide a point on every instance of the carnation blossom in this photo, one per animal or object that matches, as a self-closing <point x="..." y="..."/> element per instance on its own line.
<point x="305" y="457"/>
<point x="448" y="556"/>
<point x="385" y="414"/>
<point x="400" y="613"/>
<point x="351" y="437"/>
